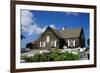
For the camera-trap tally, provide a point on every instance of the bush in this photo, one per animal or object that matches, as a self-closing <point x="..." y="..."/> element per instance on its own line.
<point x="39" y="58"/>
<point x="54" y="55"/>
<point x="27" y="59"/>
<point x="70" y="56"/>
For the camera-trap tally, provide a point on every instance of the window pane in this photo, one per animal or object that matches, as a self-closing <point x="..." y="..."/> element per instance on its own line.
<point x="48" y="38"/>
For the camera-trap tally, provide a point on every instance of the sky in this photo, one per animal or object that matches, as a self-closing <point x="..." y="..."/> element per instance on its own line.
<point x="33" y="23"/>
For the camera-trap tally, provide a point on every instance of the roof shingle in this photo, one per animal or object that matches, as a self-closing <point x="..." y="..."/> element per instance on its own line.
<point x="67" y="33"/>
<point x="70" y="33"/>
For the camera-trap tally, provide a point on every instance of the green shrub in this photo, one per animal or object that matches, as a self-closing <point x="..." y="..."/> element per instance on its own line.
<point x="54" y="55"/>
<point x="27" y="59"/>
<point x="70" y="56"/>
<point x="39" y="58"/>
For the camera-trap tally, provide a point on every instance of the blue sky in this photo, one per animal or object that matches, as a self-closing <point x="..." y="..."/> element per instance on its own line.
<point x="33" y="23"/>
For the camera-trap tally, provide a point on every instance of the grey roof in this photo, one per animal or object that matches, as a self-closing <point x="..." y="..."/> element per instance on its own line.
<point x="67" y="33"/>
<point x="54" y="30"/>
<point x="71" y="33"/>
<point x="57" y="32"/>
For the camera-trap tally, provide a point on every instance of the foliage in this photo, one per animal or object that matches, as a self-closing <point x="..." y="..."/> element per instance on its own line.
<point x="88" y="41"/>
<point x="27" y="59"/>
<point x="39" y="58"/>
<point x="22" y="36"/>
<point x="54" y="55"/>
<point x="29" y="45"/>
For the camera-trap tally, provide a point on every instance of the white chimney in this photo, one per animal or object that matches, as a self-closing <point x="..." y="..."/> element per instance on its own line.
<point x="63" y="28"/>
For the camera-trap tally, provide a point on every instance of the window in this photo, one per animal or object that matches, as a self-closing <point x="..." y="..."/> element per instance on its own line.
<point x="40" y="43"/>
<point x="44" y="43"/>
<point x="54" y="43"/>
<point x="71" y="43"/>
<point x="48" y="39"/>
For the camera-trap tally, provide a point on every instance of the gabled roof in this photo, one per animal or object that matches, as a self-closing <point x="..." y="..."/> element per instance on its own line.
<point x="54" y="31"/>
<point x="67" y="33"/>
<point x="57" y="32"/>
<point x="71" y="33"/>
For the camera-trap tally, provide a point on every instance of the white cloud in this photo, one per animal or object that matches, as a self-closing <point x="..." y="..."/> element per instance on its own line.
<point x="26" y="18"/>
<point x="52" y="26"/>
<point x="35" y="29"/>
<point x="28" y="23"/>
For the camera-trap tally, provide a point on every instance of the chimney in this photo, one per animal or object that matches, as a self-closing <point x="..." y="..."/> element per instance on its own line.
<point x="64" y="27"/>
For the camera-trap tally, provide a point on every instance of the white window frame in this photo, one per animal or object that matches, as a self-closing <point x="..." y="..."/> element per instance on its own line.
<point x="70" y="42"/>
<point x="52" y="43"/>
<point x="44" y="44"/>
<point x="40" y="44"/>
<point x="55" y="43"/>
<point x="48" y="39"/>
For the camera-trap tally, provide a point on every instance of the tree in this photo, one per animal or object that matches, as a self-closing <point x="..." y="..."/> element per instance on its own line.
<point x="29" y="45"/>
<point x="88" y="42"/>
<point x="22" y="36"/>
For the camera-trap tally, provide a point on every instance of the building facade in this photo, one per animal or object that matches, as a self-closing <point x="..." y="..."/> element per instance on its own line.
<point x="52" y="38"/>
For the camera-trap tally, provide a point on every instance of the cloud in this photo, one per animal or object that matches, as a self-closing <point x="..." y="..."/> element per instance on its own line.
<point x="34" y="29"/>
<point x="52" y="26"/>
<point x="72" y="13"/>
<point x="26" y="18"/>
<point x="28" y="23"/>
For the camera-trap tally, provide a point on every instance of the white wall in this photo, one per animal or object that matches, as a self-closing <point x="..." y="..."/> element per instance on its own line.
<point x="5" y="37"/>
